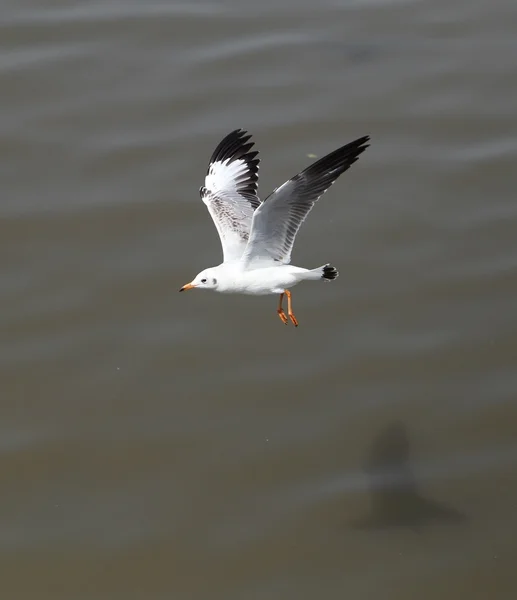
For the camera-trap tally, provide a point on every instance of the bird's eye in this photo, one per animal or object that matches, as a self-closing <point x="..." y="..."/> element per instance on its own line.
<point x="203" y="281"/>
<point x="214" y="281"/>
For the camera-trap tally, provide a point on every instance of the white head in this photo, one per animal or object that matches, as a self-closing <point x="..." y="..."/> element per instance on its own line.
<point x="206" y="280"/>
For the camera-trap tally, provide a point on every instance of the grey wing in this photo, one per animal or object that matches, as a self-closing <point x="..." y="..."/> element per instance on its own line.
<point x="278" y="219"/>
<point x="230" y="191"/>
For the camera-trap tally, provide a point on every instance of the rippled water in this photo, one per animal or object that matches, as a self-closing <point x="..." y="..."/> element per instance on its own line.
<point x="158" y="445"/>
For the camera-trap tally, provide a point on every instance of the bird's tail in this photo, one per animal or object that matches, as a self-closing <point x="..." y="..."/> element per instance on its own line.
<point x="326" y="272"/>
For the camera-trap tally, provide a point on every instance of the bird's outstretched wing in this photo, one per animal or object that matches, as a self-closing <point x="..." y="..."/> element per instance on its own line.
<point x="230" y="191"/>
<point x="277" y="220"/>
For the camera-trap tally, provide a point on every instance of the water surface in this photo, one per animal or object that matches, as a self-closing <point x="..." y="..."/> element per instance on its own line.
<point x="158" y="445"/>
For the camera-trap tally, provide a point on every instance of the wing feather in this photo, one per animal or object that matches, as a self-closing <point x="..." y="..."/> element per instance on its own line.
<point x="230" y="191"/>
<point x="277" y="220"/>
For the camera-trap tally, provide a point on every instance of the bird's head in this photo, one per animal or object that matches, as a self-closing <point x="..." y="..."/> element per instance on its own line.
<point x="206" y="280"/>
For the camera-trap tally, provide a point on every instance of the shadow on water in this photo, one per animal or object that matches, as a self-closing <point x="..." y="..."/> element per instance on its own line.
<point x="396" y="500"/>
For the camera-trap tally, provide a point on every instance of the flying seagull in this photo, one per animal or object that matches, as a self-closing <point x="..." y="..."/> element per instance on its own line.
<point x="257" y="237"/>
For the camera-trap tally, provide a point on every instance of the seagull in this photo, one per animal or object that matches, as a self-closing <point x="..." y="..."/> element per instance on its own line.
<point x="257" y="237"/>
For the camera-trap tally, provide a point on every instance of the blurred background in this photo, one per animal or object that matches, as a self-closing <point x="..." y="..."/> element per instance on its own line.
<point x="156" y="445"/>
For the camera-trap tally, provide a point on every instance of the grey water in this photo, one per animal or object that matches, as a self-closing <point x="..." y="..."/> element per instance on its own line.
<point x="160" y="445"/>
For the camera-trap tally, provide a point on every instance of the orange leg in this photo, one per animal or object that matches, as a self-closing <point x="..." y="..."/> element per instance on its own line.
<point x="280" y="310"/>
<point x="290" y="310"/>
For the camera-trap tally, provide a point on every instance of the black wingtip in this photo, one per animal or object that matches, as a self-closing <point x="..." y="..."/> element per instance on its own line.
<point x="236" y="146"/>
<point x="337" y="162"/>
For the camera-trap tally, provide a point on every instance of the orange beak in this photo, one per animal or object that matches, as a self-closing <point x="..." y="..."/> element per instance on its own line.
<point x="189" y="286"/>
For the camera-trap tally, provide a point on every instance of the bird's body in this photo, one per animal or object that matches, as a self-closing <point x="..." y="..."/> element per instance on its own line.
<point x="233" y="278"/>
<point x="257" y="237"/>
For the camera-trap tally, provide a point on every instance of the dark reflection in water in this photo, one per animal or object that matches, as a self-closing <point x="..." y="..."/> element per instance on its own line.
<point x="396" y="500"/>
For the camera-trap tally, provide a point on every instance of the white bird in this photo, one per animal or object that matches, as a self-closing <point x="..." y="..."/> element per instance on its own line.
<point x="257" y="237"/>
